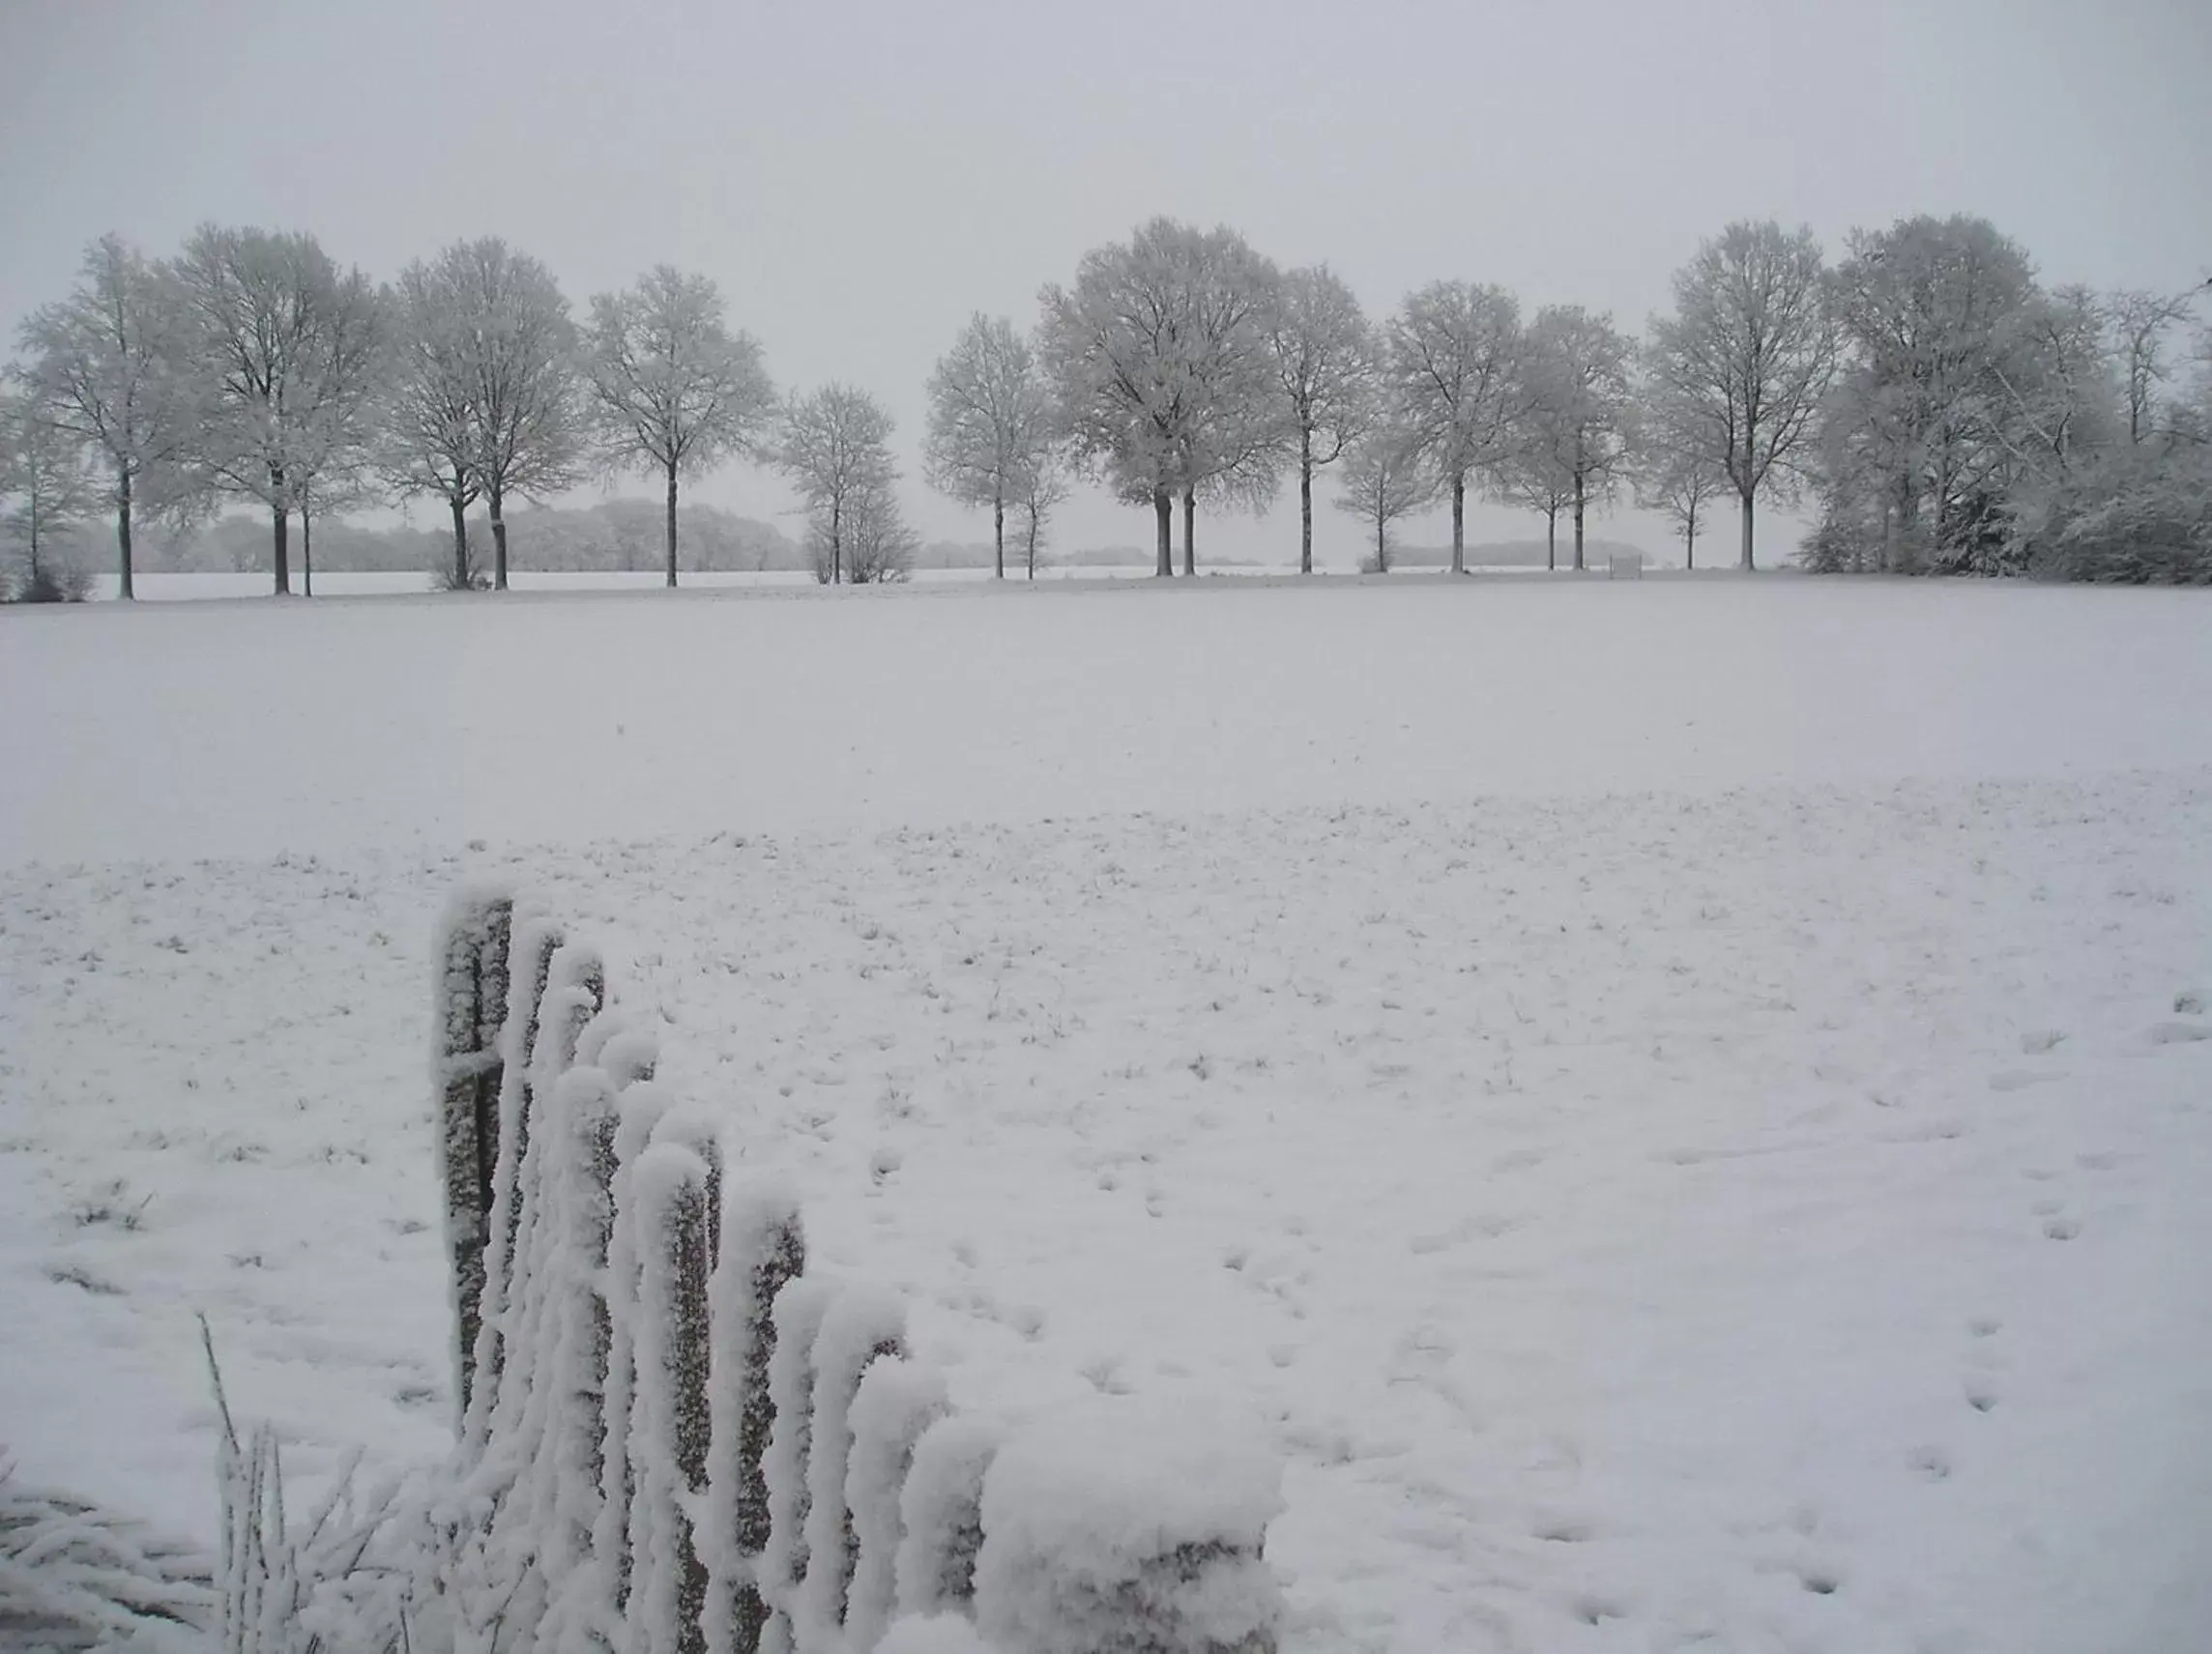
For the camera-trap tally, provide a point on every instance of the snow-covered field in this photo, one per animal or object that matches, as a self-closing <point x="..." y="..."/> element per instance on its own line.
<point x="1687" y="1108"/>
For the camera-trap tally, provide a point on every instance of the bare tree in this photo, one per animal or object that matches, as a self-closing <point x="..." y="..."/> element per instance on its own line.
<point x="1749" y="352"/>
<point x="45" y="477"/>
<point x="426" y="413"/>
<point x="1155" y="357"/>
<point x="1384" y="477"/>
<point x="673" y="391"/>
<point x="837" y="450"/>
<point x="875" y="543"/>
<point x="1325" y="370"/>
<point x="1042" y="489"/>
<point x="1540" y="475"/>
<point x="1575" y="376"/>
<point x="525" y="427"/>
<point x="334" y="465"/>
<point x="1455" y="382"/>
<point x="285" y="343"/>
<point x="106" y="367"/>
<point x="2140" y="323"/>
<point x="990" y="422"/>
<point x="1675" y="475"/>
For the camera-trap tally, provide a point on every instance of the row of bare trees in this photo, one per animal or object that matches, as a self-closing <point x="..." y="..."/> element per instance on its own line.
<point x="253" y="368"/>
<point x="1182" y="369"/>
<point x="1943" y="410"/>
<point x="1946" y="411"/>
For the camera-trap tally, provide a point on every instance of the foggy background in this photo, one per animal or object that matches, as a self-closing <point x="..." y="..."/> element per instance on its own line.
<point x="860" y="178"/>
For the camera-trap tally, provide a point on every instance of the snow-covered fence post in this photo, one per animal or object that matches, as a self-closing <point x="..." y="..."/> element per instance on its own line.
<point x="941" y="1516"/>
<point x="642" y="1106"/>
<point x="897" y="1401"/>
<point x="530" y="960"/>
<point x="668" y="1419"/>
<point x="472" y="1009"/>
<point x="782" y="1568"/>
<point x="763" y="1249"/>
<point x="576" y="992"/>
<point x="864" y="1325"/>
<point x="1083" y="1553"/>
<point x="574" y="1338"/>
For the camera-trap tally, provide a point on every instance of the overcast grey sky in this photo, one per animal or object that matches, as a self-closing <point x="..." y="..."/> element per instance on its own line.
<point x="859" y="177"/>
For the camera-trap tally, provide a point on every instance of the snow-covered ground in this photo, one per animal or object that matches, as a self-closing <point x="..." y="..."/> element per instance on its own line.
<point x="1686" y="1108"/>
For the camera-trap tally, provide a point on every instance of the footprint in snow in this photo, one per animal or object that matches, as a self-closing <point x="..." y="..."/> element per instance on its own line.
<point x="2178" y="1032"/>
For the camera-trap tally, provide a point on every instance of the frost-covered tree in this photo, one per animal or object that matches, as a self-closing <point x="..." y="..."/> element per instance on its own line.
<point x="673" y="391"/>
<point x="285" y="345"/>
<point x="1384" y="479"/>
<point x="1159" y="367"/>
<point x="878" y="546"/>
<point x="1574" y="432"/>
<point x="425" y="438"/>
<point x="1043" y="488"/>
<point x="1325" y="357"/>
<point x="1673" y="470"/>
<point x="107" y="368"/>
<point x="837" y="450"/>
<point x="1911" y="430"/>
<point x="991" y="428"/>
<point x="333" y="467"/>
<point x="1748" y="353"/>
<point x="525" y="425"/>
<point x="45" y="487"/>
<point x="1454" y="367"/>
<point x="2142" y="324"/>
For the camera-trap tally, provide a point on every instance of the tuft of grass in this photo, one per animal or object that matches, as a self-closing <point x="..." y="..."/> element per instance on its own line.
<point x="76" y="1275"/>
<point x="112" y="1208"/>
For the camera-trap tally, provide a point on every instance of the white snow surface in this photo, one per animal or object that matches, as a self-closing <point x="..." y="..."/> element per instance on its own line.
<point x="1090" y="1513"/>
<point x="932" y="1634"/>
<point x="1685" y="1110"/>
<point x="1113" y="1482"/>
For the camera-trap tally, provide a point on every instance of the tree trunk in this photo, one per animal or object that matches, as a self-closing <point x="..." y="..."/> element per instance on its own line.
<point x="672" y="525"/>
<point x="1690" y="537"/>
<point x="123" y="533"/>
<point x="1459" y="525"/>
<point x="1032" y="539"/>
<point x="837" y="542"/>
<point x="1747" y="561"/>
<point x="1163" y="521"/>
<point x="498" y="541"/>
<point x="1552" y="542"/>
<point x="1190" y="533"/>
<point x="1581" y="501"/>
<point x="1305" y="502"/>
<point x="999" y="533"/>
<point x="280" y="549"/>
<point x="1381" y="544"/>
<point x="460" y="545"/>
<point x="306" y="551"/>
